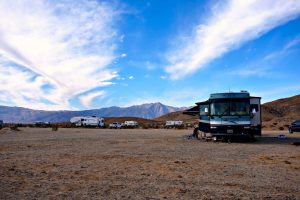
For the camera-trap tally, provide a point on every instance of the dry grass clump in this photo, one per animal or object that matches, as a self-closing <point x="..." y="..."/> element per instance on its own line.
<point x="14" y="128"/>
<point x="265" y="158"/>
<point x="54" y="127"/>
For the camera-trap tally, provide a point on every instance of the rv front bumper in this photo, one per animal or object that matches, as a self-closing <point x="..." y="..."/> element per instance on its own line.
<point x="230" y="130"/>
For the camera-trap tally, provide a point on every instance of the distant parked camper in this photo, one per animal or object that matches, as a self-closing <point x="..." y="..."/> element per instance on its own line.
<point x="131" y="124"/>
<point x="174" y="123"/>
<point x="88" y="121"/>
<point x="1" y="124"/>
<point x="116" y="125"/>
<point x="42" y="124"/>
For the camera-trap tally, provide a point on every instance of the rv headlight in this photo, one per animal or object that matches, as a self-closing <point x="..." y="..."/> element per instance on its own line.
<point x="246" y="127"/>
<point x="213" y="127"/>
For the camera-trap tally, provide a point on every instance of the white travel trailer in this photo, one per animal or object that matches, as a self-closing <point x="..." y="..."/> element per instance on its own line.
<point x="131" y="123"/>
<point x="88" y="121"/>
<point x="174" y="123"/>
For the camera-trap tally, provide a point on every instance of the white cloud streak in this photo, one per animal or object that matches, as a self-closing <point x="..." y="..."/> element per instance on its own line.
<point x="230" y="25"/>
<point x="87" y="99"/>
<point x="64" y="45"/>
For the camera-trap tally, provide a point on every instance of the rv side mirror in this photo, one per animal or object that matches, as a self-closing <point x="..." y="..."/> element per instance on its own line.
<point x="206" y="110"/>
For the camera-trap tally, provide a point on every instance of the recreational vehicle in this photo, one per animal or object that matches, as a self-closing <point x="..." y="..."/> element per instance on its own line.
<point x="88" y="121"/>
<point x="174" y="123"/>
<point x="116" y="125"/>
<point x="1" y="124"/>
<point x="131" y="124"/>
<point x="229" y="114"/>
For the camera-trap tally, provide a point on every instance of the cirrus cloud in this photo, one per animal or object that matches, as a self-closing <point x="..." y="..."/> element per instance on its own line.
<point x="53" y="51"/>
<point x="231" y="24"/>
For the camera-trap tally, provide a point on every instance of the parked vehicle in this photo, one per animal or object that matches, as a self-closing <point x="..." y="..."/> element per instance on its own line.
<point x="42" y="124"/>
<point x="173" y="123"/>
<point x="92" y="121"/>
<point x="131" y="124"/>
<point x="229" y="114"/>
<point x="295" y="126"/>
<point x="1" y="124"/>
<point x="116" y="125"/>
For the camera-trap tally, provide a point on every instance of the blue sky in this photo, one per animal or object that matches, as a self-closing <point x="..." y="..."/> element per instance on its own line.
<point x="89" y="54"/>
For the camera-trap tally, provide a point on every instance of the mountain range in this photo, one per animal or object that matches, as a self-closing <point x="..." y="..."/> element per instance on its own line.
<point x="25" y="115"/>
<point x="276" y="114"/>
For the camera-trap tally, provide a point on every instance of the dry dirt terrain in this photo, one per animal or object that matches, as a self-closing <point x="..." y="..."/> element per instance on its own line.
<point x="37" y="163"/>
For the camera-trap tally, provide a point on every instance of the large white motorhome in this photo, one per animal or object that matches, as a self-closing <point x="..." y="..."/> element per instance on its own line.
<point x="88" y="121"/>
<point x="225" y="115"/>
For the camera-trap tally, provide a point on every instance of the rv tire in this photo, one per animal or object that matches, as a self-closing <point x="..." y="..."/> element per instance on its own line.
<point x="196" y="133"/>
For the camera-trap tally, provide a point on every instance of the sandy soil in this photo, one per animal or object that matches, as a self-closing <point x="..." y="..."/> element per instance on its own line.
<point x="145" y="164"/>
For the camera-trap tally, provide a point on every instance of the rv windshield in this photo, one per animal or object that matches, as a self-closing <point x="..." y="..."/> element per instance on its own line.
<point x="230" y="108"/>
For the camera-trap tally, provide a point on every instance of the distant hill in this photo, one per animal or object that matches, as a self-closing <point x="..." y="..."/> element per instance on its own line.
<point x="281" y="112"/>
<point x="25" y="115"/>
<point x="177" y="116"/>
<point x="110" y="120"/>
<point x="275" y="114"/>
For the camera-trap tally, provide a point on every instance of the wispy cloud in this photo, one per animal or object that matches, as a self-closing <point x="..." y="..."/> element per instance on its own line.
<point x="65" y="45"/>
<point x="286" y="49"/>
<point x="230" y="25"/>
<point x="123" y="55"/>
<point x="87" y="99"/>
<point x="131" y="77"/>
<point x="273" y="93"/>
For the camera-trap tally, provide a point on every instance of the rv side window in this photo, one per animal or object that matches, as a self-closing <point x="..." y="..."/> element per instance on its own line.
<point x="204" y="108"/>
<point x="254" y="106"/>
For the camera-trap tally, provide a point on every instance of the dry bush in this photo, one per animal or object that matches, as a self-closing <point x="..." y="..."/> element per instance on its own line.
<point x="14" y="128"/>
<point x="54" y="127"/>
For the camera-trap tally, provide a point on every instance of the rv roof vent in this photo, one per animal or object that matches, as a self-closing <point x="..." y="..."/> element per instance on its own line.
<point x="244" y="91"/>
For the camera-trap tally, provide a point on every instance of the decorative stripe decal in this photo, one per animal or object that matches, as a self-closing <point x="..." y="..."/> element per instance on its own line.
<point x="232" y="122"/>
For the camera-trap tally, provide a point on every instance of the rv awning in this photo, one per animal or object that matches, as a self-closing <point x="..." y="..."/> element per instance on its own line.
<point x="192" y="111"/>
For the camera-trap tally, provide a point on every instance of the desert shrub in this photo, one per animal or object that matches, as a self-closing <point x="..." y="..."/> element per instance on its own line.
<point x="145" y="126"/>
<point x="281" y="128"/>
<point x="54" y="127"/>
<point x="14" y="128"/>
<point x="180" y="127"/>
<point x="275" y="123"/>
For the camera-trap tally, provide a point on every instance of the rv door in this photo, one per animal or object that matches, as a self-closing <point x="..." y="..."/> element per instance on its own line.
<point x="255" y="112"/>
<point x="204" y="119"/>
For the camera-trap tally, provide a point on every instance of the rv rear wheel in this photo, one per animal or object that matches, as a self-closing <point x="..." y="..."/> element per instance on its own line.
<point x="202" y="135"/>
<point x="196" y="133"/>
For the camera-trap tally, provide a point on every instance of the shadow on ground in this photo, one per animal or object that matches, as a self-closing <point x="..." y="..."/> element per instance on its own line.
<point x="285" y="140"/>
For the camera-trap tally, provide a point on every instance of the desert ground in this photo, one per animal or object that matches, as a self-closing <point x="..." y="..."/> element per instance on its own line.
<point x="37" y="163"/>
